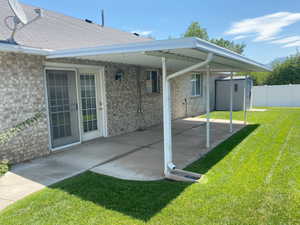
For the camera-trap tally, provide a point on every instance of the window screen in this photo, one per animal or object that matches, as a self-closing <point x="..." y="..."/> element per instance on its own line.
<point x="197" y="84"/>
<point x="153" y="84"/>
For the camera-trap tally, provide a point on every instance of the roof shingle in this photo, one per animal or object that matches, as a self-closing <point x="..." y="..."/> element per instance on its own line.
<point x="56" y="31"/>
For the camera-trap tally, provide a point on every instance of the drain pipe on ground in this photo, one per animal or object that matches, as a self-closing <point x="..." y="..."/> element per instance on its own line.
<point x="170" y="170"/>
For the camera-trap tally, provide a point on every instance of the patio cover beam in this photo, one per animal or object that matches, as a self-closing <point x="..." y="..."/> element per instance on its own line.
<point x="180" y="57"/>
<point x="175" y="56"/>
<point x="245" y="105"/>
<point x="208" y="106"/>
<point x="231" y="101"/>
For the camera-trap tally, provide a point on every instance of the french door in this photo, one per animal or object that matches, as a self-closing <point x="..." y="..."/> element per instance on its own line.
<point x="73" y="119"/>
<point x="63" y="107"/>
<point x="90" y="104"/>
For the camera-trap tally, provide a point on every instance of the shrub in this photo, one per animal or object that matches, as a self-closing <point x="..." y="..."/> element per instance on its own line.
<point x="4" y="166"/>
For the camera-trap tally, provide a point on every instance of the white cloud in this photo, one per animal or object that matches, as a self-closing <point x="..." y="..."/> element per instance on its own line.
<point x="265" y="27"/>
<point x="142" y="32"/>
<point x="293" y="41"/>
<point x="293" y="44"/>
<point x="240" y="37"/>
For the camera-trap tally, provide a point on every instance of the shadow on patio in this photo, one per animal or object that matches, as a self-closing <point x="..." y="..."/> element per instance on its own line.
<point x="142" y="200"/>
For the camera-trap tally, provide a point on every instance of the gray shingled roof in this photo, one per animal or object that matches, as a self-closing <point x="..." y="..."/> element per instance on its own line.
<point x="57" y="31"/>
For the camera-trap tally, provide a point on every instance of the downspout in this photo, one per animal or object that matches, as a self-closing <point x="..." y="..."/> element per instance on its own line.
<point x="169" y="166"/>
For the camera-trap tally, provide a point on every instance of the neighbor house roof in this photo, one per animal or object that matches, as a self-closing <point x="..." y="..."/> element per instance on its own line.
<point x="56" y="31"/>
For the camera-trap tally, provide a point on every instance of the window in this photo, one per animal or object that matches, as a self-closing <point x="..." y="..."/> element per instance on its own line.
<point x="152" y="83"/>
<point x="197" y="86"/>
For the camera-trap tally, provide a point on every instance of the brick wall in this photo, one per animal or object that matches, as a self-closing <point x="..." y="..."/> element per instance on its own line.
<point x="21" y="96"/>
<point x="123" y="98"/>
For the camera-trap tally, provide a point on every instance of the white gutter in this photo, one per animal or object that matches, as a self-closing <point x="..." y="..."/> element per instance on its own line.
<point x="23" y="49"/>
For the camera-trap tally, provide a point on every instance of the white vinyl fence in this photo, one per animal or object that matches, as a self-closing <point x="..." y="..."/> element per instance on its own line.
<point x="276" y="95"/>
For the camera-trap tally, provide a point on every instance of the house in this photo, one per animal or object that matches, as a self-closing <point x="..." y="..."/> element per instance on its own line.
<point x="95" y="81"/>
<point x="241" y="88"/>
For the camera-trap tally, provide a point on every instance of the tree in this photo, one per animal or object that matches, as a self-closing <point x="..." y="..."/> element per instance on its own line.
<point x="259" y="78"/>
<point x="238" y="48"/>
<point x="287" y="72"/>
<point x="195" y="30"/>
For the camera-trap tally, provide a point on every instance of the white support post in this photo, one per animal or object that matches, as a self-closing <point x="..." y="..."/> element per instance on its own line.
<point x="207" y="107"/>
<point x="245" y="106"/>
<point x="167" y="118"/>
<point x="231" y="101"/>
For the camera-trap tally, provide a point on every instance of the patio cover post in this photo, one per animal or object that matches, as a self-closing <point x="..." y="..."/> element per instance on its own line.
<point x="231" y="100"/>
<point x="245" y="106"/>
<point x="167" y="118"/>
<point x="207" y="107"/>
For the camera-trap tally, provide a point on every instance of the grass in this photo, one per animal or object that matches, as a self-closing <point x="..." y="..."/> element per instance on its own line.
<point x="251" y="178"/>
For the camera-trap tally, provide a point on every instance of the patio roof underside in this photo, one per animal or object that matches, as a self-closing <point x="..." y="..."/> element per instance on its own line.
<point x="180" y="54"/>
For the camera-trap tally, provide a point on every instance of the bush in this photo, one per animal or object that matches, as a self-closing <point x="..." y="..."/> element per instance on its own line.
<point x="4" y="167"/>
<point x="287" y="72"/>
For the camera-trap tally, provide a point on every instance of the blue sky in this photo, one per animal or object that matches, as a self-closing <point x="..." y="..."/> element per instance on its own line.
<point x="270" y="28"/>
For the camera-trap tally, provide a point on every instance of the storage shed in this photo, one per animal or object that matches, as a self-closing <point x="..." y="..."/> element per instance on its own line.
<point x="241" y="85"/>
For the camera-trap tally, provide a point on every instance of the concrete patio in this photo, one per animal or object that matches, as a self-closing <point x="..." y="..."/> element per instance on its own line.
<point x="135" y="156"/>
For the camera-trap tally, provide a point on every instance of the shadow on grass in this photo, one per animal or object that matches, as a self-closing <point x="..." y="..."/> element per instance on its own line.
<point x="219" y="152"/>
<point x="142" y="200"/>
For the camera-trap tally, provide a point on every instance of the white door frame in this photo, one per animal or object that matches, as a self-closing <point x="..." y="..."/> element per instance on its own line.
<point x="102" y="98"/>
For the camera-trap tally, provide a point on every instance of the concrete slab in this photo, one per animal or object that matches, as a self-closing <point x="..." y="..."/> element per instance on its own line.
<point x="64" y="164"/>
<point x="257" y="110"/>
<point x="146" y="164"/>
<point x="134" y="156"/>
<point x="14" y="187"/>
<point x="188" y="145"/>
<point x="29" y="177"/>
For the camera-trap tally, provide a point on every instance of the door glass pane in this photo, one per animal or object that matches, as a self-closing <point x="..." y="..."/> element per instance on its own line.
<point x="88" y="102"/>
<point x="62" y="103"/>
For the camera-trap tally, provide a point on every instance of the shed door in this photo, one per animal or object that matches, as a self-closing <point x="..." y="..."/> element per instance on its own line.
<point x="222" y="95"/>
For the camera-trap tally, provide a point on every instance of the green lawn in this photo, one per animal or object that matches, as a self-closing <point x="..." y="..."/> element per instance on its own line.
<point x="252" y="178"/>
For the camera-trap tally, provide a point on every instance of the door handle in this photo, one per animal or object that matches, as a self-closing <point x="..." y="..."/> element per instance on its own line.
<point x="100" y="106"/>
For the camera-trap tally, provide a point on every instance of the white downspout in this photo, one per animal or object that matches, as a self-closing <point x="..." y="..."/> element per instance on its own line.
<point x="167" y="115"/>
<point x="231" y="101"/>
<point x="167" y="118"/>
<point x="191" y="68"/>
<point x="207" y="107"/>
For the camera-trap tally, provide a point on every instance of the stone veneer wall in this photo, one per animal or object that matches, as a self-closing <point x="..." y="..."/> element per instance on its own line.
<point x="184" y="104"/>
<point x="21" y="96"/>
<point x="123" y="98"/>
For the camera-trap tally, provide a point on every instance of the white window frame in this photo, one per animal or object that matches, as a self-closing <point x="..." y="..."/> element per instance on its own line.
<point x="150" y="80"/>
<point x="197" y="77"/>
